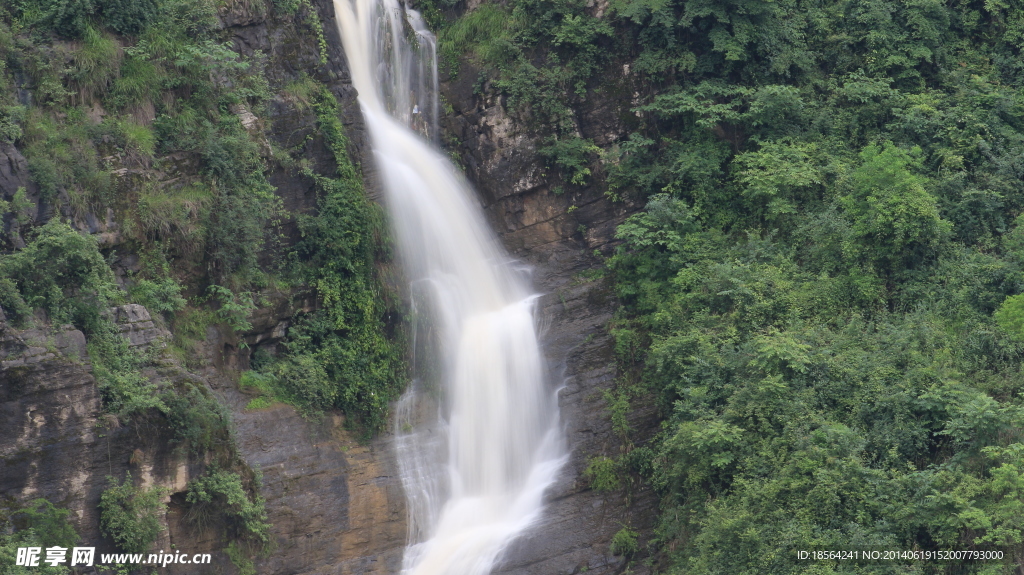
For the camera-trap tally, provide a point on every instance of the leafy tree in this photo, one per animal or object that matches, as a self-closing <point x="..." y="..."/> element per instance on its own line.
<point x="38" y="523"/>
<point x="896" y="222"/>
<point x="128" y="16"/>
<point x="1010" y="316"/>
<point x="130" y="515"/>
<point x="221" y="493"/>
<point x="62" y="272"/>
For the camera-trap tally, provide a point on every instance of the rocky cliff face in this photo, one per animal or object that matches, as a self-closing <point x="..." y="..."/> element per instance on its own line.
<point x="333" y="500"/>
<point x="58" y="444"/>
<point x="335" y="503"/>
<point x="559" y="234"/>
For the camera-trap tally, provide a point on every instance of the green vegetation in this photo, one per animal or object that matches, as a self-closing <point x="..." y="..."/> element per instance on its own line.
<point x="177" y="88"/>
<point x="624" y="542"/>
<point x="603" y="474"/>
<point x="141" y="122"/>
<point x="241" y="559"/>
<point x="161" y="296"/>
<point x="155" y="87"/>
<point x="105" y="98"/>
<point x="219" y="496"/>
<point x="61" y="272"/>
<point x="823" y="294"/>
<point x="311" y="17"/>
<point x="572" y="156"/>
<point x="540" y="54"/>
<point x="200" y="422"/>
<point x="38" y="523"/>
<point x="817" y="292"/>
<point x="345" y="355"/>
<point x="233" y="309"/>
<point x="131" y="515"/>
<point x="257" y="403"/>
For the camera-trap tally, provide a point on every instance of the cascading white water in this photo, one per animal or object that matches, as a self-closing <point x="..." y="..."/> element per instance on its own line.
<point x="477" y="433"/>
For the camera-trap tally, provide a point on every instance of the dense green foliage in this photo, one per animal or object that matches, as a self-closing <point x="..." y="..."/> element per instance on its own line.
<point x="39" y="523"/>
<point x="177" y="88"/>
<point x="200" y="422"/>
<point x="145" y="129"/>
<point x="91" y="115"/>
<point x="220" y="495"/>
<point x="824" y="292"/>
<point x="131" y="515"/>
<point x="172" y="95"/>
<point x="341" y="356"/>
<point x="810" y="292"/>
<point x="624" y="542"/>
<point x="61" y="272"/>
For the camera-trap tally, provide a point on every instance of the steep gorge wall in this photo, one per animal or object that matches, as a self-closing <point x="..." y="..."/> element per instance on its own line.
<point x="332" y="499"/>
<point x="563" y="236"/>
<point x="59" y="445"/>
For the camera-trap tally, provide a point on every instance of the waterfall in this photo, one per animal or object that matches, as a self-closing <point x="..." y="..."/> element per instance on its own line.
<point x="477" y="433"/>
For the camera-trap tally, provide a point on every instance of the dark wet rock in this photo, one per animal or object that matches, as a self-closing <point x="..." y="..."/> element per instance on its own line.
<point x="57" y="441"/>
<point x="13" y="170"/>
<point x="558" y="234"/>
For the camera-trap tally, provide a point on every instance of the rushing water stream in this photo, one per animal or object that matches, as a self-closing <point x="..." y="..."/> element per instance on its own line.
<point x="477" y="433"/>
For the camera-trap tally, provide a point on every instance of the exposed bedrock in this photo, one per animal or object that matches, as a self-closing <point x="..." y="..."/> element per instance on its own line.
<point x="558" y="234"/>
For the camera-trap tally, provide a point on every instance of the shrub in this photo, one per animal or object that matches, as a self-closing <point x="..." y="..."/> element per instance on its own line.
<point x="240" y="558"/>
<point x="12" y="303"/>
<point x="1010" y="316"/>
<point x="257" y="403"/>
<point x="233" y="309"/>
<point x="603" y="473"/>
<point x="160" y="296"/>
<point x="62" y="272"/>
<point x="624" y="542"/>
<point x="177" y="218"/>
<point x="896" y="222"/>
<point x="221" y="493"/>
<point x="572" y="156"/>
<point x="49" y="522"/>
<point x="116" y="365"/>
<point x="128" y="16"/>
<point x="62" y="155"/>
<point x="189" y="328"/>
<point x="21" y="207"/>
<point x="95" y="63"/>
<point x="10" y="121"/>
<point x="131" y="515"/>
<point x="38" y="524"/>
<point x="200" y="422"/>
<point x="68" y="17"/>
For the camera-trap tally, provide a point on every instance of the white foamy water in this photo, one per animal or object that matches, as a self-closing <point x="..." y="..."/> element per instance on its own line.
<point x="477" y="433"/>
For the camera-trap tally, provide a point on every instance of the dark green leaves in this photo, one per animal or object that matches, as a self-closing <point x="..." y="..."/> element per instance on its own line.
<point x="130" y="515"/>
